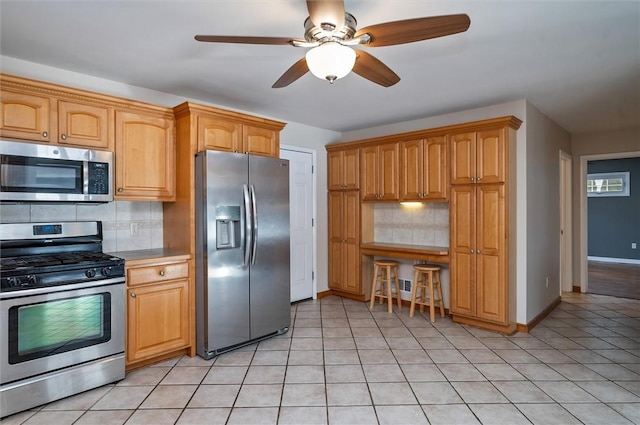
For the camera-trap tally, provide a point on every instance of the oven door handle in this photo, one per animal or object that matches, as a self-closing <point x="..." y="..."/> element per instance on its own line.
<point x="60" y="288"/>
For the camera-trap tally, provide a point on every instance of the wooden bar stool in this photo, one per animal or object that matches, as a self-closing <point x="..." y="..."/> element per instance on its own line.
<point x="385" y="272"/>
<point x="426" y="277"/>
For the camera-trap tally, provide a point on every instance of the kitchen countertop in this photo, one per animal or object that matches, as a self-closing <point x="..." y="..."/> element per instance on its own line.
<point x="152" y="254"/>
<point x="438" y="254"/>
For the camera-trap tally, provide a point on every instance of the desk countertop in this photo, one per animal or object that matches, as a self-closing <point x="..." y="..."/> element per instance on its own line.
<point x="417" y="252"/>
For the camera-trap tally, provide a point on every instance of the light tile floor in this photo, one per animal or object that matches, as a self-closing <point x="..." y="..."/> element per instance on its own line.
<point x="342" y="364"/>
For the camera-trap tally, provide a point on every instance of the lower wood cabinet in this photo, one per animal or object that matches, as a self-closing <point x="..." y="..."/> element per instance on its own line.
<point x="344" y="242"/>
<point x="157" y="309"/>
<point x="478" y="249"/>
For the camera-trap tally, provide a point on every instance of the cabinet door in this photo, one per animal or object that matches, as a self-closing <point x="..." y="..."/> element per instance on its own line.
<point x="336" y="240"/>
<point x="388" y="160"/>
<point x="83" y="125"/>
<point x="435" y="168"/>
<point x="463" y="157"/>
<point x="351" y="169"/>
<point x="412" y="164"/>
<point x="25" y="116"/>
<point x="157" y="319"/>
<point x="334" y="174"/>
<point x="491" y="155"/>
<point x="462" y="248"/>
<point x="219" y="134"/>
<point x="491" y="291"/>
<point x="351" y="245"/>
<point x="369" y="173"/>
<point x="260" y="141"/>
<point x="145" y="157"/>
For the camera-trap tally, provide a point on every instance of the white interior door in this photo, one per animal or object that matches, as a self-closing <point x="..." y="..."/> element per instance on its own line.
<point x="301" y="197"/>
<point x="566" y="256"/>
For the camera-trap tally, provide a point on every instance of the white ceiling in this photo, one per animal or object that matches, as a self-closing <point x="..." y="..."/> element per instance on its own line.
<point x="576" y="61"/>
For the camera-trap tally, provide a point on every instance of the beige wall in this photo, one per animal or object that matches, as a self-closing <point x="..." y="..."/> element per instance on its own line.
<point x="588" y="146"/>
<point x="545" y="139"/>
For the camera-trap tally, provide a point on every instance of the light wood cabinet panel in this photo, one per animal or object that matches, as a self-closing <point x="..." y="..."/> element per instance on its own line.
<point x="260" y="141"/>
<point x="84" y="125"/>
<point x="157" y="319"/>
<point x="478" y="157"/>
<point x="344" y="241"/>
<point x="491" y="287"/>
<point x="379" y="166"/>
<point x="424" y="170"/>
<point x="25" y="116"/>
<point x="478" y="252"/>
<point x="344" y="170"/>
<point x="144" y="157"/>
<point x="219" y="134"/>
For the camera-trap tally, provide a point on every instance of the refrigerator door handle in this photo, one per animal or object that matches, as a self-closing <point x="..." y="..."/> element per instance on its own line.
<point x="254" y="238"/>
<point x="248" y="225"/>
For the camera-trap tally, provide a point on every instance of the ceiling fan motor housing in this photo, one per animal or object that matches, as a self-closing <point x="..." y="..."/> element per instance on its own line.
<point x="328" y="32"/>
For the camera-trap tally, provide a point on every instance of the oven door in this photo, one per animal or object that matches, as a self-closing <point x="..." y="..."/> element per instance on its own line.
<point x="47" y="329"/>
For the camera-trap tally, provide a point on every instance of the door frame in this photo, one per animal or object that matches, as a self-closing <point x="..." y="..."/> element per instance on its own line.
<point x="314" y="212"/>
<point x="566" y="218"/>
<point x="584" y="236"/>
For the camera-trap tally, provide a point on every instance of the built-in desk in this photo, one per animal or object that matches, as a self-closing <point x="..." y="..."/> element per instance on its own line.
<point x="437" y="254"/>
<point x="434" y="254"/>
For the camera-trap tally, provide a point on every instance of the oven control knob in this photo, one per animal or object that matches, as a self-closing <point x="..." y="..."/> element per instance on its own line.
<point x="31" y="280"/>
<point x="106" y="271"/>
<point x="90" y="273"/>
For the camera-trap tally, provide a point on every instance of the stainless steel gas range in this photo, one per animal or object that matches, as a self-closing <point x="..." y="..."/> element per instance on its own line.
<point x="62" y="313"/>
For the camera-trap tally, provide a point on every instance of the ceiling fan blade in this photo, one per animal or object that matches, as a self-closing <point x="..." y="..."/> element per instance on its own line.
<point x="326" y="11"/>
<point x="245" y="40"/>
<point x="296" y="71"/>
<point x="371" y="68"/>
<point x="410" y="30"/>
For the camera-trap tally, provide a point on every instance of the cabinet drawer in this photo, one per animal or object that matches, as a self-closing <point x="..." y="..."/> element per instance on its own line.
<point x="158" y="273"/>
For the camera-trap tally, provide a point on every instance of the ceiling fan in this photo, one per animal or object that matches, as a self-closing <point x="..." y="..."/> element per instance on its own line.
<point x="330" y="32"/>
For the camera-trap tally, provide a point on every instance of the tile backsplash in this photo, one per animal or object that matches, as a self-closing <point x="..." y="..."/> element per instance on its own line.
<point x="416" y="224"/>
<point x="118" y="218"/>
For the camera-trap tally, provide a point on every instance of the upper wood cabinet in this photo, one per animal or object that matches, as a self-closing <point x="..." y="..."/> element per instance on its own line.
<point x="424" y="169"/>
<point x="228" y="133"/>
<point x="145" y="157"/>
<point x="478" y="156"/>
<point x="86" y="125"/>
<point x="344" y="170"/>
<point x="25" y="116"/>
<point x="379" y="172"/>
<point x="39" y="117"/>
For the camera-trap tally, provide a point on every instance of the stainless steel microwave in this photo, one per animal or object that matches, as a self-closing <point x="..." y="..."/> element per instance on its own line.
<point x="48" y="173"/>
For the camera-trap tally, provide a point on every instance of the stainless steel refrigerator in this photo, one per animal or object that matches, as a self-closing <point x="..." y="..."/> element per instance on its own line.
<point x="242" y="250"/>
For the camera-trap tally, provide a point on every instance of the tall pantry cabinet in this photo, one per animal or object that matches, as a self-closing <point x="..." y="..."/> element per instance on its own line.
<point x="482" y="161"/>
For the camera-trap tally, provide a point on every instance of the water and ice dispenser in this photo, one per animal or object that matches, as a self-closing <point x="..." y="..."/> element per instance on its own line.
<point x="227" y="227"/>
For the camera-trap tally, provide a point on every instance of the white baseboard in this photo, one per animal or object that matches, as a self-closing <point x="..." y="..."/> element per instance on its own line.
<point x="614" y="260"/>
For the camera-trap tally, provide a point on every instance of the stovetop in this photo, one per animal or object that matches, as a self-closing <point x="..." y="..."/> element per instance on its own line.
<point x="31" y="262"/>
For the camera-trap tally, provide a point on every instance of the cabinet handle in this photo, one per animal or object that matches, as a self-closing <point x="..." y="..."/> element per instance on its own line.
<point x="133" y="295"/>
<point x="477" y="179"/>
<point x="45" y="134"/>
<point x="161" y="272"/>
<point x="471" y="251"/>
<point x="473" y="179"/>
<point x="477" y="251"/>
<point x="424" y="195"/>
<point x="119" y="189"/>
<point x="63" y="137"/>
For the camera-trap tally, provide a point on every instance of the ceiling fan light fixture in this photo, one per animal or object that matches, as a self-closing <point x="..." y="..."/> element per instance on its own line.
<point x="331" y="61"/>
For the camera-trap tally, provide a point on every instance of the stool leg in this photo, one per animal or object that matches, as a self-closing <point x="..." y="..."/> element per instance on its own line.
<point x="389" y="294"/>
<point x="440" y="295"/>
<point x="374" y="284"/>
<point x="432" y="312"/>
<point x="397" y="283"/>
<point x="414" y="291"/>
<point x="423" y="298"/>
